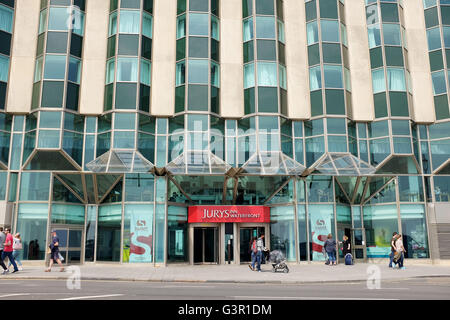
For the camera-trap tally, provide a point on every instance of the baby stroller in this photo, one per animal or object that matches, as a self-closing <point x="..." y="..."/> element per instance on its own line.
<point x="278" y="261"/>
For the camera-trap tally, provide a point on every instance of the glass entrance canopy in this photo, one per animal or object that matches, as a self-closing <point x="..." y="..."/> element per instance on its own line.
<point x="271" y="163"/>
<point x="120" y="161"/>
<point x="198" y="163"/>
<point x="343" y="164"/>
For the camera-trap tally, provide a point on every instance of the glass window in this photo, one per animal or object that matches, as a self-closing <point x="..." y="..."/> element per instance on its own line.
<point x="78" y="22"/>
<point x="434" y="39"/>
<point x="59" y="19"/>
<point x="248" y="29"/>
<point x="110" y="67"/>
<point x="112" y="24"/>
<point x="282" y="231"/>
<point x="35" y="187"/>
<point x="330" y="30"/>
<point x="180" y="73"/>
<point x="249" y="75"/>
<point x="109" y="232"/>
<point x="146" y="67"/>
<point x="74" y="70"/>
<point x="198" y="71"/>
<point x="67" y="214"/>
<point x="127" y="69"/>
<point x="6" y="19"/>
<point x="267" y="74"/>
<point x="181" y="26"/>
<point x="147" y="25"/>
<point x="32" y="223"/>
<point x="215" y="33"/>
<point x="333" y="76"/>
<point x="215" y="75"/>
<point x="414" y="229"/>
<point x="130" y="21"/>
<point x="312" y="32"/>
<point x="265" y="27"/>
<point x="139" y="187"/>
<point x="315" y="78"/>
<point x="378" y="81"/>
<point x="55" y="67"/>
<point x="56" y="42"/>
<point x="374" y="36"/>
<point x="380" y="223"/>
<point x="198" y="24"/>
<point x="396" y="79"/>
<point x="4" y="68"/>
<point x="391" y="34"/>
<point x="42" y="21"/>
<point x="439" y="85"/>
<point x="442" y="188"/>
<point x="283" y="80"/>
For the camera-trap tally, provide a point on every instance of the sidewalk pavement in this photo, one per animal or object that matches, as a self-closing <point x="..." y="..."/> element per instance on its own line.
<point x="299" y="273"/>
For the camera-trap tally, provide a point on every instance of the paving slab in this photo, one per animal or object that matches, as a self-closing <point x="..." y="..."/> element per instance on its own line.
<point x="299" y="273"/>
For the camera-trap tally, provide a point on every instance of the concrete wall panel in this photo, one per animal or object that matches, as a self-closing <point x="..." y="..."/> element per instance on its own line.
<point x="23" y="55"/>
<point x="164" y="58"/>
<point x="94" y="58"/>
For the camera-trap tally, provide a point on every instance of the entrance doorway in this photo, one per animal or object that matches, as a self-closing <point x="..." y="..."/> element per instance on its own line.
<point x="70" y="244"/>
<point x="206" y="245"/>
<point x="359" y="244"/>
<point x="245" y="236"/>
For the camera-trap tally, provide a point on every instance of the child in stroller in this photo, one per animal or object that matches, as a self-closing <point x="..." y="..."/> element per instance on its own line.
<point x="278" y="261"/>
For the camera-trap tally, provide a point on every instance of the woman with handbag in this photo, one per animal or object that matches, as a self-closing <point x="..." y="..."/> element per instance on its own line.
<point x="17" y="249"/>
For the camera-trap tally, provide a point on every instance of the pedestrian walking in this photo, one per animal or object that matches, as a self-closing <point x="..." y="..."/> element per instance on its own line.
<point x="330" y="249"/>
<point x="17" y="249"/>
<point x="2" y="245"/>
<point x="8" y="250"/>
<point x="260" y="250"/>
<point x="391" y="255"/>
<point x="253" y="250"/>
<point x="400" y="251"/>
<point x="54" y="252"/>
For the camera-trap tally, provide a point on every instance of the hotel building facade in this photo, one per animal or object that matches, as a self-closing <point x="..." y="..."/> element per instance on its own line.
<point x="174" y="131"/>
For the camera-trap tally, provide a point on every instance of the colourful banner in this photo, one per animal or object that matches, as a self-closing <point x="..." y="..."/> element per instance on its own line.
<point x="141" y="239"/>
<point x="220" y="214"/>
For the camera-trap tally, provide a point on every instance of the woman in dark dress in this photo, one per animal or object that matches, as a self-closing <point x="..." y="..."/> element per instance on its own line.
<point x="346" y="246"/>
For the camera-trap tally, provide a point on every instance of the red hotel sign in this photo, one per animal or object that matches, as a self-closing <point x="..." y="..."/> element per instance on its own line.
<point x="218" y="214"/>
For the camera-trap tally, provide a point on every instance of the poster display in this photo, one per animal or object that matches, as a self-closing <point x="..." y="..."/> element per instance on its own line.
<point x="141" y="238"/>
